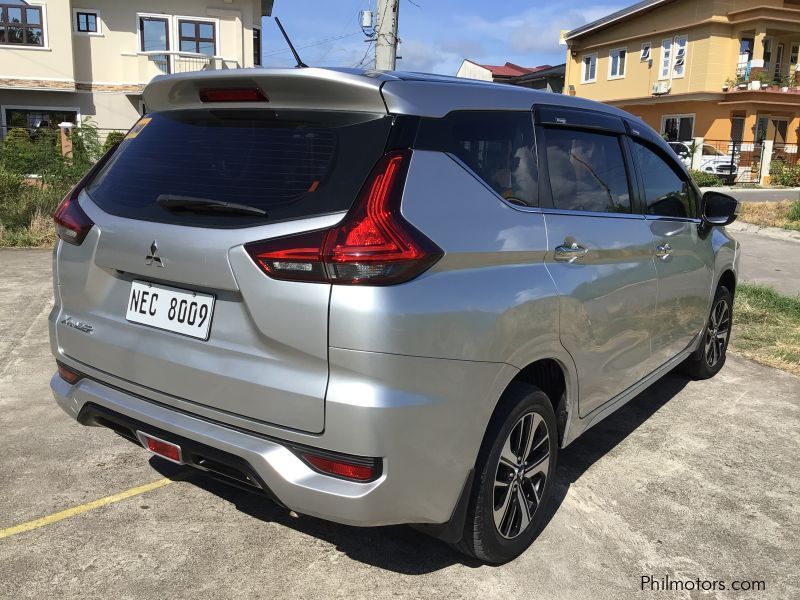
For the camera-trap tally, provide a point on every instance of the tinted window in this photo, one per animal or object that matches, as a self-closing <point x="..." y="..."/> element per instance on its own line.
<point x="498" y="146"/>
<point x="666" y="193"/>
<point x="587" y="171"/>
<point x="292" y="164"/>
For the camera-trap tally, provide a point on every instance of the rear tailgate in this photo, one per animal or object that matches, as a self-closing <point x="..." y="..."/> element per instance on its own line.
<point x="266" y="353"/>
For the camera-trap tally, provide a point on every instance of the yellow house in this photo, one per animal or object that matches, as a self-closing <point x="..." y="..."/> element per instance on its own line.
<point x="65" y="60"/>
<point x="723" y="70"/>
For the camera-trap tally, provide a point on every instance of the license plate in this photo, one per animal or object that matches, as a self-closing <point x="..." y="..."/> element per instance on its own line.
<point x="171" y="309"/>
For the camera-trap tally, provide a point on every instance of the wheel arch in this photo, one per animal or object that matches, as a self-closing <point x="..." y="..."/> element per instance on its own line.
<point x="728" y="279"/>
<point x="557" y="378"/>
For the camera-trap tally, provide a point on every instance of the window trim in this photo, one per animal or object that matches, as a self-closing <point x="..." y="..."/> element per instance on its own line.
<point x="546" y="203"/>
<point x="139" y="28"/>
<point x="676" y="49"/>
<point x="649" y="46"/>
<point x="179" y="20"/>
<point x="5" y="107"/>
<point x="583" y="67"/>
<point x="677" y="167"/>
<point x="661" y="74"/>
<point x="623" y="63"/>
<point x="664" y="118"/>
<point x="76" y="12"/>
<point x="260" y="62"/>
<point x="45" y="45"/>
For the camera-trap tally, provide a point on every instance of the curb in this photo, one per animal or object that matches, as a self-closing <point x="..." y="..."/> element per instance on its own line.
<point x="775" y="233"/>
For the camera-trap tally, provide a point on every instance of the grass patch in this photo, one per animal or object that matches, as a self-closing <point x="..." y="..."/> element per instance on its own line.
<point x="784" y="214"/>
<point x="766" y="327"/>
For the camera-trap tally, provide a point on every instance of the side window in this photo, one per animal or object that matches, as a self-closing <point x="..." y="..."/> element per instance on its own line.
<point x="587" y="171"/>
<point x="667" y="194"/>
<point x="498" y="146"/>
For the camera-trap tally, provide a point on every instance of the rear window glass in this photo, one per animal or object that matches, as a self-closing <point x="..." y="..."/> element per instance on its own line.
<point x="498" y="146"/>
<point x="291" y="164"/>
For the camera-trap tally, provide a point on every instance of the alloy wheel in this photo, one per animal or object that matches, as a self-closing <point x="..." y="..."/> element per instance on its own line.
<point x="521" y="475"/>
<point x="717" y="332"/>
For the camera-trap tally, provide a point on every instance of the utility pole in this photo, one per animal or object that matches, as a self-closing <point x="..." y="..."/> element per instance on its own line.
<point x="386" y="34"/>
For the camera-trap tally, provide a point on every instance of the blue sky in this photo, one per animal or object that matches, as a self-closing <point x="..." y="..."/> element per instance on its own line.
<point x="436" y="34"/>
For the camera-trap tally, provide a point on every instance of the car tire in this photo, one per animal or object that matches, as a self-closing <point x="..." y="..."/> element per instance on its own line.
<point x="507" y="503"/>
<point x="709" y="358"/>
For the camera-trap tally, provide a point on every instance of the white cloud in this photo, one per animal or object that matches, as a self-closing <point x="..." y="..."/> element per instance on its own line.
<point x="534" y="30"/>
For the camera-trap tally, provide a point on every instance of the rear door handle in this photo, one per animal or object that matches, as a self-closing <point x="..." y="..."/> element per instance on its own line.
<point x="663" y="251"/>
<point x="570" y="253"/>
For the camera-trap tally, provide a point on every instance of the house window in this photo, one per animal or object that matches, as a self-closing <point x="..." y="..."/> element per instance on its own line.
<point x="616" y="63"/>
<point x="34" y="119"/>
<point x="677" y="128"/>
<point x="666" y="58"/>
<point x="87" y="21"/>
<point x="21" y="25"/>
<point x="198" y="37"/>
<point x="589" y="69"/>
<point x="257" y="46"/>
<point x="153" y="34"/>
<point x="645" y="55"/>
<point x="681" y="45"/>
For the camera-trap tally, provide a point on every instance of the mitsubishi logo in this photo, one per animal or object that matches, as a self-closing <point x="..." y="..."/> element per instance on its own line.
<point x="153" y="258"/>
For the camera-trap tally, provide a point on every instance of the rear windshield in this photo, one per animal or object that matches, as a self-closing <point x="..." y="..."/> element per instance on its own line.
<point x="291" y="164"/>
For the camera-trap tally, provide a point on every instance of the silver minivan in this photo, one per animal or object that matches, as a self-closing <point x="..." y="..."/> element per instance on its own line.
<point x="382" y="298"/>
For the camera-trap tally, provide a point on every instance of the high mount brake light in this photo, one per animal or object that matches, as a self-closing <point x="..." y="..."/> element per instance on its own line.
<point x="232" y="95"/>
<point x="372" y="245"/>
<point x="72" y="224"/>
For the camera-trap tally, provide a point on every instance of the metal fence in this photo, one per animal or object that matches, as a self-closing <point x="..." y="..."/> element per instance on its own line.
<point x="785" y="153"/>
<point x="732" y="160"/>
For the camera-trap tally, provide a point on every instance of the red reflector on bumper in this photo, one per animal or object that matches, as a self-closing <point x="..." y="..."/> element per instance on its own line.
<point x="340" y="469"/>
<point x="68" y="375"/>
<point x="163" y="448"/>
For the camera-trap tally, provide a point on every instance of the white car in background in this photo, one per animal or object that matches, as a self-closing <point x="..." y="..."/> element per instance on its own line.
<point x="713" y="160"/>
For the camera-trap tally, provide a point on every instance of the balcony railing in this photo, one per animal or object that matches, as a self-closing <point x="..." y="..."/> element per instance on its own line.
<point x="143" y="66"/>
<point x="186" y="62"/>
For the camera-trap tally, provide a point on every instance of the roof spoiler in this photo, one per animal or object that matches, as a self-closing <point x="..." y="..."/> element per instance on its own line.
<point x="309" y="88"/>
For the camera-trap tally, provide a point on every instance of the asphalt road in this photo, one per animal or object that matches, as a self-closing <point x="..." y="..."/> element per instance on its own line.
<point x="761" y="195"/>
<point x="690" y="480"/>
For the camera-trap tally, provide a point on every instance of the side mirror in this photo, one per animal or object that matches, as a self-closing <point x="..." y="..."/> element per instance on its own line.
<point x="719" y="209"/>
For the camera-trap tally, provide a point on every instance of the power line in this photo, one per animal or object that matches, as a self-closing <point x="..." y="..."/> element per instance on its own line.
<point x="311" y="45"/>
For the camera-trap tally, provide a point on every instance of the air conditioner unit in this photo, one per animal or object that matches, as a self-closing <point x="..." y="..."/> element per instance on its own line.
<point x="660" y="88"/>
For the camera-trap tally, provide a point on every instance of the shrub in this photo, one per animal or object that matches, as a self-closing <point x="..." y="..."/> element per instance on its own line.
<point x="794" y="211"/>
<point x="706" y="179"/>
<point x="113" y="138"/>
<point x="783" y="174"/>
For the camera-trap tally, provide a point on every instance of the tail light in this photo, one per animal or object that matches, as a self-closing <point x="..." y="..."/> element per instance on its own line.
<point x="72" y="224"/>
<point x="372" y="245"/>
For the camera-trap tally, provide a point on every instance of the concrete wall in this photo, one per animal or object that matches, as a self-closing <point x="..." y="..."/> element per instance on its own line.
<point x="712" y="52"/>
<point x="52" y="65"/>
<point x="470" y="70"/>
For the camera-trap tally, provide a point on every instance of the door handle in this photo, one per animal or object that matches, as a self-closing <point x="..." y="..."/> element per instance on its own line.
<point x="570" y="253"/>
<point x="663" y="251"/>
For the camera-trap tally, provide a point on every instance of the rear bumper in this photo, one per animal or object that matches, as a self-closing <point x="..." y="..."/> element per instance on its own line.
<point x="424" y="418"/>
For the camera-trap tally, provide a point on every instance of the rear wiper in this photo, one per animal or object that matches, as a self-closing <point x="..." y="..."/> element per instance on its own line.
<point x="191" y="204"/>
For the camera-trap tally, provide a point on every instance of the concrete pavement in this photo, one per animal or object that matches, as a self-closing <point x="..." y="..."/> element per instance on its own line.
<point x="690" y="480"/>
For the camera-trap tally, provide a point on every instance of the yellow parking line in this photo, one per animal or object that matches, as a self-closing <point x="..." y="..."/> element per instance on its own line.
<point x="76" y="510"/>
